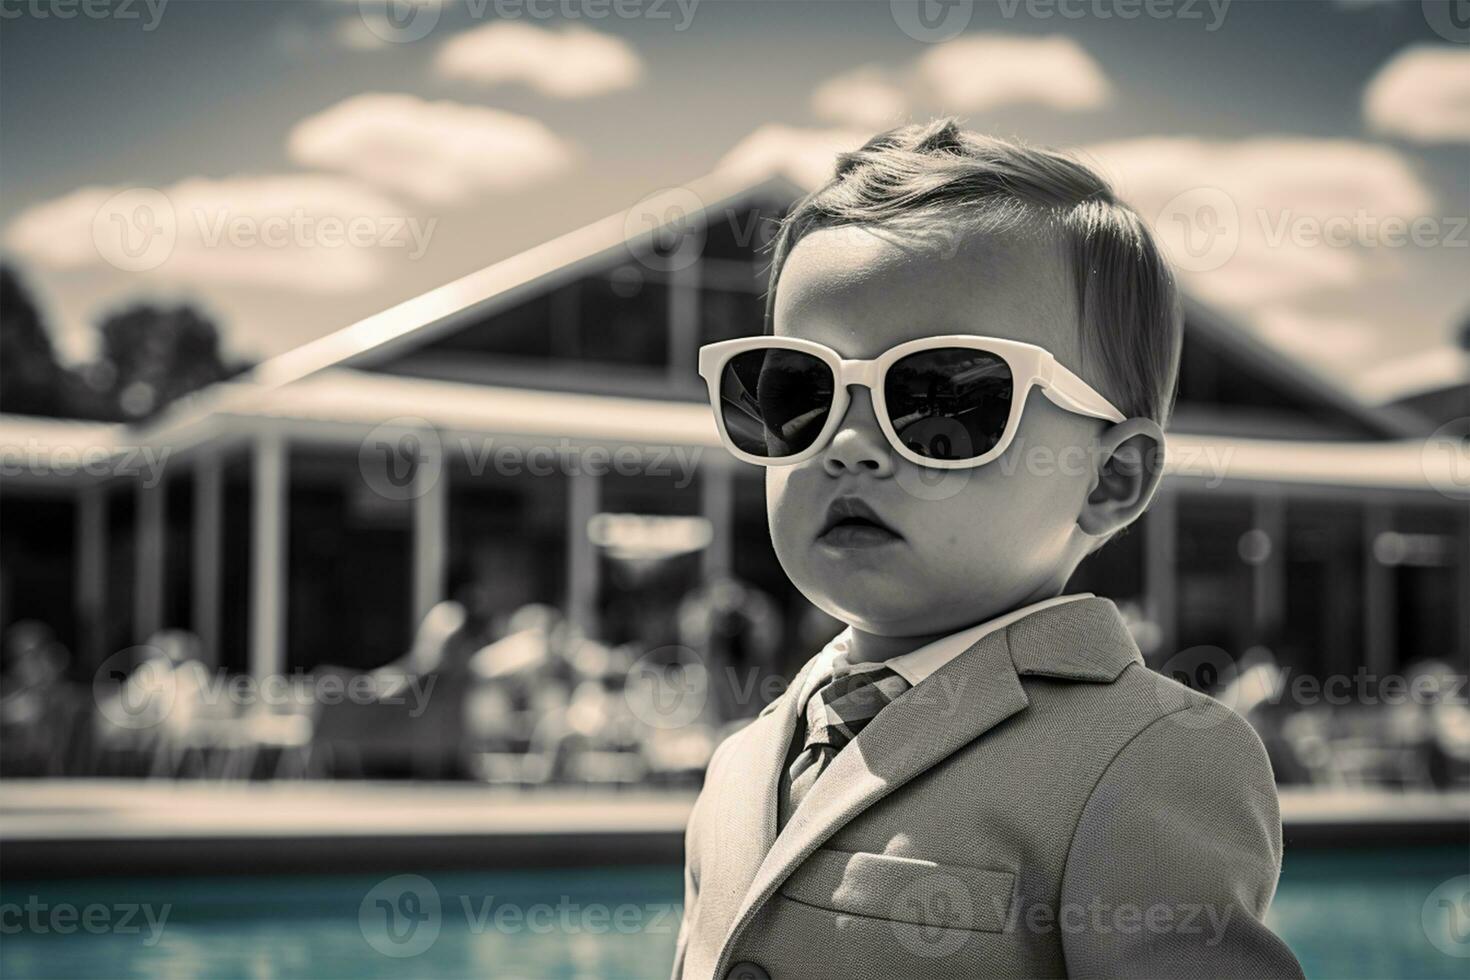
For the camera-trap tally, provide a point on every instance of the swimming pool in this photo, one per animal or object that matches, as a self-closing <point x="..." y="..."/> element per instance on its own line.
<point x="1347" y="913"/>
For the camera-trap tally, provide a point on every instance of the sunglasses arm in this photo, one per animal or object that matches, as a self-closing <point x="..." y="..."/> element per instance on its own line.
<point x="1068" y="391"/>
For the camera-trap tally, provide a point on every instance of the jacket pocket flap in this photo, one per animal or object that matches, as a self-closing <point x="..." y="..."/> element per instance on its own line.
<point x="899" y="889"/>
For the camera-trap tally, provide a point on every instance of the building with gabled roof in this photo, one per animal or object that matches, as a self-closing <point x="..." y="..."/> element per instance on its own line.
<point x="314" y="509"/>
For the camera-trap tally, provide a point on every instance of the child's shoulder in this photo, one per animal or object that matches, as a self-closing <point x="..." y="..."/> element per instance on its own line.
<point x="1156" y="717"/>
<point x="1142" y="717"/>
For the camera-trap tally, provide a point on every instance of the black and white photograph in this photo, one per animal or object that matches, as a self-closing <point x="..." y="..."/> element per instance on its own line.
<point x="734" y="489"/>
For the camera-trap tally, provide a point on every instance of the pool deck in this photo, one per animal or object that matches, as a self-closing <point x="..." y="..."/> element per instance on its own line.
<point x="56" y="827"/>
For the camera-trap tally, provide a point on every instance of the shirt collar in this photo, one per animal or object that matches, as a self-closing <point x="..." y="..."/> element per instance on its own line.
<point x="917" y="665"/>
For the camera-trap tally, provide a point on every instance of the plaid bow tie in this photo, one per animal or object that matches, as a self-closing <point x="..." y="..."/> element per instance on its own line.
<point x="835" y="713"/>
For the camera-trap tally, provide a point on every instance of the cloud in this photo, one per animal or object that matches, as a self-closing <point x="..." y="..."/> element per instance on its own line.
<point x="805" y="156"/>
<point x="571" y="63"/>
<point x="309" y="233"/>
<point x="969" y="74"/>
<point x="987" y="71"/>
<point x="863" y="97"/>
<point x="1253" y="222"/>
<point x="353" y="33"/>
<point x="1422" y="94"/>
<point x="438" y="152"/>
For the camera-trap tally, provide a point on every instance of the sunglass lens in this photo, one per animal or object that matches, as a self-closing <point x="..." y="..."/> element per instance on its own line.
<point x="775" y="401"/>
<point x="949" y="403"/>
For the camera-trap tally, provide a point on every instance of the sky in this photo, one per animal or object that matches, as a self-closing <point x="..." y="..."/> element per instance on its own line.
<point x="291" y="166"/>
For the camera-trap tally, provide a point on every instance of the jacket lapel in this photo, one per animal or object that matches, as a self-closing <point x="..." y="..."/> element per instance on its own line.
<point x="1085" y="640"/>
<point x="751" y="831"/>
<point x="962" y="700"/>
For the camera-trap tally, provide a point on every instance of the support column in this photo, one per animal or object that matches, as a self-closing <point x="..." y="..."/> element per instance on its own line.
<point x="1379" y="612"/>
<point x="717" y="494"/>
<point x="583" y="497"/>
<point x="1464" y="610"/>
<point x="683" y="326"/>
<point x="1268" y="581"/>
<point x="430" y="529"/>
<point x="1160" y="567"/>
<point x="148" y="577"/>
<point x="91" y="559"/>
<point x="208" y="546"/>
<point x="268" y="557"/>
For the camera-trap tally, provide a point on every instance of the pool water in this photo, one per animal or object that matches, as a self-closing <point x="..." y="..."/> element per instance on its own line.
<point x="1345" y="913"/>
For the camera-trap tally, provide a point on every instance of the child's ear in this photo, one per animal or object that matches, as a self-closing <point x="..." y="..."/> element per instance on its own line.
<point x="1130" y="463"/>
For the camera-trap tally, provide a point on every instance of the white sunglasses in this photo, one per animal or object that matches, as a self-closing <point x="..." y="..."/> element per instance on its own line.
<point x="948" y="402"/>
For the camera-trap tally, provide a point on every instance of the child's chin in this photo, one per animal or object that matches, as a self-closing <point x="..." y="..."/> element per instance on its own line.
<point x="874" y="606"/>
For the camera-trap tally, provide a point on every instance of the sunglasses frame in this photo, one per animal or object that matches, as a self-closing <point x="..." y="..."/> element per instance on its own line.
<point x="1030" y="366"/>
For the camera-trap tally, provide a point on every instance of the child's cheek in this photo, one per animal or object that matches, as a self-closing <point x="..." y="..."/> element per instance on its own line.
<point x="782" y="507"/>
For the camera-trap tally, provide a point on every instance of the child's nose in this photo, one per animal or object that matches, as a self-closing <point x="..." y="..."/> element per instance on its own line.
<point x="859" y="446"/>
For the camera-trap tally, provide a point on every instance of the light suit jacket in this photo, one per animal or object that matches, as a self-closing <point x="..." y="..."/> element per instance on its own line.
<point x="1043" y="805"/>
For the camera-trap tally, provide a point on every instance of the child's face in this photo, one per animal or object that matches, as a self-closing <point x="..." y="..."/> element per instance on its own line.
<point x="967" y="544"/>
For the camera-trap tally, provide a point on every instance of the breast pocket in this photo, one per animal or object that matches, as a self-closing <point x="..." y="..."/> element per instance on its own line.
<point x="909" y="890"/>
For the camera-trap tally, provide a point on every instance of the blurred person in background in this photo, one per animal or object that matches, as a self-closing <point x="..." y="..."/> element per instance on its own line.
<point x="41" y="712"/>
<point x="1432" y="726"/>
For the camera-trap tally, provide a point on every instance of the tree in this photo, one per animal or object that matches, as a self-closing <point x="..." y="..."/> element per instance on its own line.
<point x="150" y="355"/>
<point x="32" y="381"/>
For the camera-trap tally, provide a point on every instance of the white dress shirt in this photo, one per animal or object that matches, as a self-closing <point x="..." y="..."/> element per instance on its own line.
<point x="918" y="664"/>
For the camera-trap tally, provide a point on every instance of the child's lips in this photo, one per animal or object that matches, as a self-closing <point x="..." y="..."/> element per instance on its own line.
<point x="852" y="523"/>
<point x="857" y="536"/>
